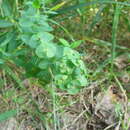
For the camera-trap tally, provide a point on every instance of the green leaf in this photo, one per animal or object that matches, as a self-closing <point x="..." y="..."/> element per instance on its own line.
<point x="46" y="50"/>
<point x="82" y="80"/>
<point x="59" y="51"/>
<point x="44" y="64"/>
<point x="26" y="22"/>
<point x="30" y="12"/>
<point x="26" y="38"/>
<point x="46" y="37"/>
<point x="13" y="44"/>
<point x="5" y="24"/>
<point x="40" y="51"/>
<point x="42" y="28"/>
<point x="50" y="50"/>
<point x="6" y="8"/>
<point x="8" y="114"/>
<point x="36" y="4"/>
<point x="1" y="61"/>
<point x="76" y="43"/>
<point x="72" y="90"/>
<point x="64" y="42"/>
<point x="114" y="33"/>
<point x="8" y="37"/>
<point x="33" y="42"/>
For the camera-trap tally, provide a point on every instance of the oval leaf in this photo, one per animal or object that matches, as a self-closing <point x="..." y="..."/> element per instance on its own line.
<point x="5" y="24"/>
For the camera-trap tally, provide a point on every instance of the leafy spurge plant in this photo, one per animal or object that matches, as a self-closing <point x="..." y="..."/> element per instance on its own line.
<point x="42" y="58"/>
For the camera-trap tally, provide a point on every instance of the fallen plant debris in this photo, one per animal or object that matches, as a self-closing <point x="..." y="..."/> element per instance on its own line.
<point x="107" y="104"/>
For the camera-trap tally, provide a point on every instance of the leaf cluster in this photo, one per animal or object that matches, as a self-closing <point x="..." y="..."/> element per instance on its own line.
<point x="35" y="51"/>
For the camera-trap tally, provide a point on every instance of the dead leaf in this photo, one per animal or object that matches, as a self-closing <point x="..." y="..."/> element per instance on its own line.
<point x="125" y="77"/>
<point x="121" y="61"/>
<point x="106" y="105"/>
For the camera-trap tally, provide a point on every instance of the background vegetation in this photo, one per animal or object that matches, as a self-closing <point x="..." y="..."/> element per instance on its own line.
<point x="65" y="65"/>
